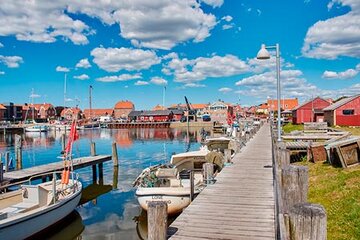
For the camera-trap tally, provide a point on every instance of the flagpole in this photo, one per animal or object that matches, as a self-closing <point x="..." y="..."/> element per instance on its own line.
<point x="164" y="89"/>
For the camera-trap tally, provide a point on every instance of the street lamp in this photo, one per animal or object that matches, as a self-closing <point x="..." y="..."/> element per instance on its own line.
<point x="262" y="55"/>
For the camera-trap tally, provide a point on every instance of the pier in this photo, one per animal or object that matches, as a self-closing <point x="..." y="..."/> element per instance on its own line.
<point x="241" y="204"/>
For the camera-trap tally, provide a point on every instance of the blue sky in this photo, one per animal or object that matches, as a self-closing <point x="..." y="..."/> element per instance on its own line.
<point x="204" y="49"/>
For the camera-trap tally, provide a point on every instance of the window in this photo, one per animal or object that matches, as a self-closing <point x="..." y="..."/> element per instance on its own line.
<point x="348" y="112"/>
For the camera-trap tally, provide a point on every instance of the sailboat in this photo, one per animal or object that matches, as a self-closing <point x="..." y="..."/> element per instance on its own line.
<point x="36" y="127"/>
<point x="41" y="205"/>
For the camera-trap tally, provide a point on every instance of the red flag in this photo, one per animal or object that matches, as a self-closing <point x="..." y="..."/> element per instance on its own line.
<point x="73" y="136"/>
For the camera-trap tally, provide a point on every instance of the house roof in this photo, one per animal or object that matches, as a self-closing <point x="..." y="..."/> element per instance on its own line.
<point x="98" y="112"/>
<point x="308" y="102"/>
<point x="2" y="106"/>
<point x="70" y="110"/>
<point x="134" y="113"/>
<point x="46" y="106"/>
<point x="124" y="105"/>
<point x="340" y="103"/>
<point x="158" y="107"/>
<point x="290" y="102"/>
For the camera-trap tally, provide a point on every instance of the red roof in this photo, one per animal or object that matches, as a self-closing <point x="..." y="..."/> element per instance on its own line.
<point x="72" y="110"/>
<point x="124" y="105"/>
<point x="286" y="104"/>
<point x="158" y="107"/>
<point x="2" y="106"/>
<point x="98" y="112"/>
<point x="46" y="106"/>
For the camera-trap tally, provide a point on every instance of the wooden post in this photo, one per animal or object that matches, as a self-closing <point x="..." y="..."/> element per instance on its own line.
<point x="208" y="173"/>
<point x="7" y="161"/>
<point x="294" y="186"/>
<point x="307" y="221"/>
<point x="94" y="173"/>
<point x="157" y="220"/>
<point x="308" y="152"/>
<point x="63" y="142"/>
<point x="18" y="151"/>
<point x="115" y="177"/>
<point x="115" y="155"/>
<point x="101" y="174"/>
<point x="227" y="155"/>
<point x="191" y="186"/>
<point x="1" y="171"/>
<point x="92" y="149"/>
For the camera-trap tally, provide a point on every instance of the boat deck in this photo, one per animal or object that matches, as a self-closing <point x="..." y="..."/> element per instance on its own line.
<point x="24" y="174"/>
<point x="240" y="205"/>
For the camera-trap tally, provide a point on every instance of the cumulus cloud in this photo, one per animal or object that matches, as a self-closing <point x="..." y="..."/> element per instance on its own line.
<point x="347" y="74"/>
<point x="116" y="59"/>
<point x="141" y="83"/>
<point x="11" y="61"/>
<point x="83" y="63"/>
<point x="225" y="90"/>
<point x="163" y="24"/>
<point x="82" y="77"/>
<point x="158" y="81"/>
<point x="187" y="71"/>
<point x="120" y="78"/>
<point x="62" y="69"/>
<point x="337" y="36"/>
<point x="213" y="3"/>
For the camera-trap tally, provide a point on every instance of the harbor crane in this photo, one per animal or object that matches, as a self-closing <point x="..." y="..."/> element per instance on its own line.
<point x="191" y="113"/>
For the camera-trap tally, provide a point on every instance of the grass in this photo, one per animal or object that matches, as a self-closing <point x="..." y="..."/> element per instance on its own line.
<point x="338" y="190"/>
<point x="289" y="127"/>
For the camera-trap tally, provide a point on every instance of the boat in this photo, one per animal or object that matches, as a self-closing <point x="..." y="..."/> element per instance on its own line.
<point x="39" y="206"/>
<point x="89" y="126"/>
<point x="171" y="182"/>
<point x="37" y="128"/>
<point x="218" y="143"/>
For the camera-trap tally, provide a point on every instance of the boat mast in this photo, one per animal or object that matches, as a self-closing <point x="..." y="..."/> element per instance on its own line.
<point x="90" y="91"/>
<point x="65" y="91"/>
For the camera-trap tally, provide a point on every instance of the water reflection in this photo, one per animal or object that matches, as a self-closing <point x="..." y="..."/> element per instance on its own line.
<point x="107" y="210"/>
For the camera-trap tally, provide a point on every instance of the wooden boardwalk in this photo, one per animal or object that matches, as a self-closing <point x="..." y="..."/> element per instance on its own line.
<point x="24" y="174"/>
<point x="240" y="205"/>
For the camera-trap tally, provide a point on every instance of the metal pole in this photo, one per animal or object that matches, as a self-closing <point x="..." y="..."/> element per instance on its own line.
<point x="90" y="88"/>
<point x="278" y="91"/>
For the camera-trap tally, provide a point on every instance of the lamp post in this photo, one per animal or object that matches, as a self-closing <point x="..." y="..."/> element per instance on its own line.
<point x="262" y="55"/>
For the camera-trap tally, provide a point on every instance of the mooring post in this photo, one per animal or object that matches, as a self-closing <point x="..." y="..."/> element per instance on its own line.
<point x="1" y="171"/>
<point x="101" y="174"/>
<point x="63" y="142"/>
<point x="94" y="173"/>
<point x="227" y="154"/>
<point x="191" y="186"/>
<point x="115" y="155"/>
<point x="208" y="173"/>
<point x="115" y="177"/>
<point x="157" y="220"/>
<point x="7" y="161"/>
<point x="306" y="221"/>
<point x="18" y="151"/>
<point x="92" y="149"/>
<point x="294" y="186"/>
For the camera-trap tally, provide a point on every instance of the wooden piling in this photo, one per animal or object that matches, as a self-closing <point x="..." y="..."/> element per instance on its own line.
<point x="227" y="155"/>
<point x="18" y="151"/>
<point x="63" y="142"/>
<point x="1" y="171"/>
<point x="101" y="174"/>
<point x="94" y="173"/>
<point x="115" y="177"/>
<point x="92" y="149"/>
<point x="115" y="155"/>
<point x="208" y="173"/>
<point x="7" y="161"/>
<point x="294" y="186"/>
<point x="307" y="221"/>
<point x="157" y="220"/>
<point x="192" y="186"/>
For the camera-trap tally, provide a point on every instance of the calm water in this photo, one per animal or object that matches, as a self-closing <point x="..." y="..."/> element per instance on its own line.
<point x="114" y="213"/>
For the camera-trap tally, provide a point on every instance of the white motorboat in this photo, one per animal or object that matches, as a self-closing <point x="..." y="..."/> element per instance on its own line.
<point x="218" y="143"/>
<point x="39" y="207"/>
<point x="171" y="183"/>
<point x="37" y="128"/>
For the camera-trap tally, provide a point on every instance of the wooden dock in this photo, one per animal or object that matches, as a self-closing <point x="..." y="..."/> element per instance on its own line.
<point x="240" y="205"/>
<point x="25" y="174"/>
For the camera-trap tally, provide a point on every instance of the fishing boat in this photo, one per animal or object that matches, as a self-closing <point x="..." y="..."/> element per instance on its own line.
<point x="39" y="206"/>
<point x="171" y="182"/>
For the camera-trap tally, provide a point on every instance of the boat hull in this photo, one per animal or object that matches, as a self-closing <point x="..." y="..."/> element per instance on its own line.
<point x="35" y="221"/>
<point x="37" y="129"/>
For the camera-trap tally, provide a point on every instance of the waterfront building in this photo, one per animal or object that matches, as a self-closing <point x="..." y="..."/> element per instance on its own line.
<point x="218" y="111"/>
<point x="13" y="112"/>
<point x="71" y="113"/>
<point x="156" y="116"/>
<point x="311" y="111"/>
<point x="345" y="112"/>
<point x="99" y="112"/>
<point x="122" y="109"/>
<point x="45" y="111"/>
<point x="2" y="112"/>
<point x="287" y="104"/>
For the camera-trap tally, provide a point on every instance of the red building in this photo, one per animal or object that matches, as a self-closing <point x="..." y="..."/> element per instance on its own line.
<point x="311" y="111"/>
<point x="345" y="112"/>
<point x="156" y="116"/>
<point x="98" y="112"/>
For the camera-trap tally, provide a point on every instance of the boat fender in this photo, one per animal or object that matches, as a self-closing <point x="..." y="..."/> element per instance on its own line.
<point x="65" y="176"/>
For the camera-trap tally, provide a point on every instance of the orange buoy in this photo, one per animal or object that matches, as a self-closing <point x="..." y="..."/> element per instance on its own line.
<point x="63" y="175"/>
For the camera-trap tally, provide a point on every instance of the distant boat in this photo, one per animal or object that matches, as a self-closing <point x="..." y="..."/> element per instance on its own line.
<point x="37" y="128"/>
<point x="36" y="207"/>
<point x="89" y="126"/>
<point x="171" y="183"/>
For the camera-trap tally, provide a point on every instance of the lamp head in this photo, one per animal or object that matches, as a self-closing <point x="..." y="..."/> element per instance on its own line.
<point x="263" y="53"/>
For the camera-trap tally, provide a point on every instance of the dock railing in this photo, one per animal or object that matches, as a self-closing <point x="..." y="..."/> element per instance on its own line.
<point x="296" y="218"/>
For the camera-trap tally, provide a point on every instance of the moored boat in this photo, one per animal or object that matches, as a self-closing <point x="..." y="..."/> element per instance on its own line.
<point x="37" y="128"/>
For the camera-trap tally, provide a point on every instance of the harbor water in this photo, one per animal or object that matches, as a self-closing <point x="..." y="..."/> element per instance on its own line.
<point x="108" y="210"/>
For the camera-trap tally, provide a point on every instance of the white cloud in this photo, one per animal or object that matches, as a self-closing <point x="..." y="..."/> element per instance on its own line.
<point x="225" y="90"/>
<point x="141" y="83"/>
<point x="227" y="18"/>
<point x="41" y="21"/>
<point x="1" y="45"/>
<point x="213" y="3"/>
<point x="82" y="77"/>
<point x="163" y="24"/>
<point x="349" y="73"/>
<point x="337" y="36"/>
<point x="11" y="61"/>
<point x="198" y="69"/>
<point x="2" y="73"/>
<point x="116" y="59"/>
<point x="158" y="81"/>
<point x="120" y="78"/>
<point x="228" y="26"/>
<point x="83" y="63"/>
<point x="34" y="95"/>
<point x="194" y="85"/>
<point x="62" y="69"/>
